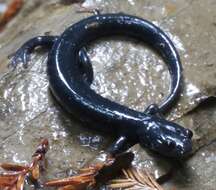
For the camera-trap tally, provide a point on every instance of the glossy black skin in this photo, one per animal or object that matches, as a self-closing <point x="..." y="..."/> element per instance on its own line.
<point x="70" y="75"/>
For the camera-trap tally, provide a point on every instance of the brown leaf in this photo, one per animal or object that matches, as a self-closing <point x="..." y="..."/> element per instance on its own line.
<point x="13" y="167"/>
<point x="11" y="11"/>
<point x="15" y="179"/>
<point x="153" y="181"/>
<point x="7" y="180"/>
<point x="73" y="187"/>
<point x="68" y="187"/>
<point x="35" y="172"/>
<point x="99" y="172"/>
<point x="20" y="182"/>
<point x="126" y="184"/>
<point x="75" y="180"/>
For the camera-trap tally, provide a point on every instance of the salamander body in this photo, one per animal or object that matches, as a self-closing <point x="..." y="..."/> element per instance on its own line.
<point x="70" y="75"/>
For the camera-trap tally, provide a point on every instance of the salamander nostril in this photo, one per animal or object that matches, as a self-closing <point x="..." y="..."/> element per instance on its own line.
<point x="189" y="133"/>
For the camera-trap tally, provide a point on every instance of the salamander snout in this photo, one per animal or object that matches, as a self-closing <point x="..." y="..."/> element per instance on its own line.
<point x="178" y="148"/>
<point x="189" y="133"/>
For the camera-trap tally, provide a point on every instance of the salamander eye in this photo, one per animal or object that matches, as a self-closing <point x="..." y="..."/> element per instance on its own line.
<point x="170" y="144"/>
<point x="179" y="131"/>
<point x="189" y="133"/>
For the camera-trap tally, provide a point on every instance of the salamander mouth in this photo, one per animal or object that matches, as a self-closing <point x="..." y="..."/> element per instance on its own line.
<point x="174" y="148"/>
<point x="184" y="150"/>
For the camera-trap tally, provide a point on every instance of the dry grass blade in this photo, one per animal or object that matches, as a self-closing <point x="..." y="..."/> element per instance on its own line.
<point x="134" y="179"/>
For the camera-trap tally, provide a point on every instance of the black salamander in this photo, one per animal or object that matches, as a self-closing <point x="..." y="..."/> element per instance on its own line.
<point x="70" y="75"/>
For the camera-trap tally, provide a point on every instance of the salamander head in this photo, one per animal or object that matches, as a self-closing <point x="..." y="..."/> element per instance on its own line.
<point x="166" y="138"/>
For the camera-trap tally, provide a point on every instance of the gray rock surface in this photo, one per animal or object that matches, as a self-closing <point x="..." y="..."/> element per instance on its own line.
<point x="125" y="71"/>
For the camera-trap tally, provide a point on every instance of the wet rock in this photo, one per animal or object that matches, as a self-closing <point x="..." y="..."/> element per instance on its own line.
<point x="202" y="120"/>
<point x="199" y="172"/>
<point x="125" y="71"/>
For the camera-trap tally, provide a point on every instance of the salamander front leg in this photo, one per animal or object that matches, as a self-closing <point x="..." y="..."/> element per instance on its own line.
<point x="153" y="109"/>
<point x="86" y="66"/>
<point x="23" y="53"/>
<point x="121" y="145"/>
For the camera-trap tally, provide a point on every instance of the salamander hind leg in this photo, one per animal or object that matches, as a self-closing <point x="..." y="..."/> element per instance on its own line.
<point x="23" y="53"/>
<point x="86" y="66"/>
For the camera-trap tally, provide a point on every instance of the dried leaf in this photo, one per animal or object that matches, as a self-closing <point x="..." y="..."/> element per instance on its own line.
<point x="156" y="185"/>
<point x="75" y="180"/>
<point x="15" y="180"/>
<point x="35" y="172"/>
<point x="130" y="173"/>
<point x="7" y="180"/>
<point x="144" y="177"/>
<point x="68" y="187"/>
<point x="121" y="180"/>
<point x="11" y="11"/>
<point x="95" y="174"/>
<point x="89" y="170"/>
<point x="73" y="187"/>
<point x="122" y="185"/>
<point x="140" y="177"/>
<point x="13" y="167"/>
<point x="20" y="182"/>
<point x="134" y="179"/>
<point x="13" y="188"/>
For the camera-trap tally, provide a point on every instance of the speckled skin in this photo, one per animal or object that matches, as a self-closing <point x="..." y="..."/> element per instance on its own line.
<point x="70" y="75"/>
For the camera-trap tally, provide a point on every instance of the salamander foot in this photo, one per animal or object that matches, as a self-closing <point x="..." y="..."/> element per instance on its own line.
<point x="23" y="53"/>
<point x="153" y="109"/>
<point x="121" y="145"/>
